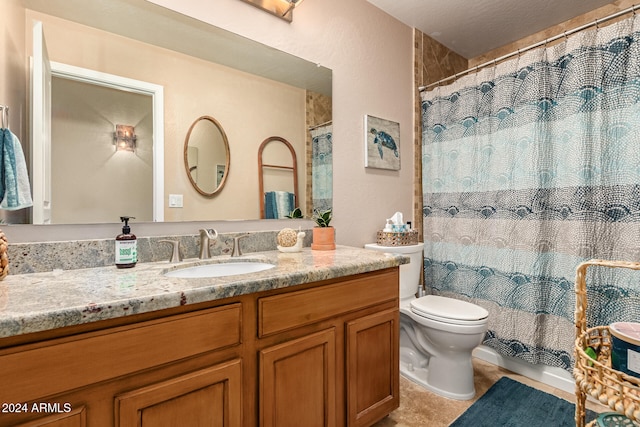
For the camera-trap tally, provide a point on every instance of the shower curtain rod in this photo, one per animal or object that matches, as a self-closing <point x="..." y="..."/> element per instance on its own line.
<point x="533" y="46"/>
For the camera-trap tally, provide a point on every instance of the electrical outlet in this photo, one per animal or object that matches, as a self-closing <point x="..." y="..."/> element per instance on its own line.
<point x="175" y="200"/>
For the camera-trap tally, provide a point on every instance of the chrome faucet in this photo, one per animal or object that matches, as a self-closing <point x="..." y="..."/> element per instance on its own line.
<point x="205" y="241"/>
<point x="236" y="245"/>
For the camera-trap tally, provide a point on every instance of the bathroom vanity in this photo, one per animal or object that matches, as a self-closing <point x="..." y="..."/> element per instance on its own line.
<point x="310" y="342"/>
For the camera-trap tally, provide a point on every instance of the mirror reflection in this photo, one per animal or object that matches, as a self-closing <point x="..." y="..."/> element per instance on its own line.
<point x="206" y="156"/>
<point x="278" y="179"/>
<point x="242" y="89"/>
<point x="84" y="146"/>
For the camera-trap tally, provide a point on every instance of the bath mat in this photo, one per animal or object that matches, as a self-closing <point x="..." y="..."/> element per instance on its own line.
<point x="511" y="403"/>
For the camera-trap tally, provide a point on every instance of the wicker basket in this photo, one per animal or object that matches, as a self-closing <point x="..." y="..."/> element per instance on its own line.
<point x="405" y="238"/>
<point x="4" y="257"/>
<point x="596" y="378"/>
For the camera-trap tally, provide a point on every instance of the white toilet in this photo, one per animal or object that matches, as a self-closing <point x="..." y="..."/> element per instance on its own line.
<point x="437" y="334"/>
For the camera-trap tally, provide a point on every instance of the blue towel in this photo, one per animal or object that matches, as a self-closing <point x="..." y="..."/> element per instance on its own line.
<point x="270" y="208"/>
<point x="278" y="204"/>
<point x="15" y="191"/>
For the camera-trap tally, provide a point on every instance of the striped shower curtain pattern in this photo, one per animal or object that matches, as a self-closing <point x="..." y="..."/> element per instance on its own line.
<point x="322" y="167"/>
<point x="529" y="168"/>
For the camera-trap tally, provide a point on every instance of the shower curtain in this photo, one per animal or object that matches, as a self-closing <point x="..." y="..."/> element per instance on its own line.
<point x="322" y="167"/>
<point x="529" y="168"/>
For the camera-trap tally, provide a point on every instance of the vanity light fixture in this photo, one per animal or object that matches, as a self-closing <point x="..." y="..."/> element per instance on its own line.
<point x="292" y="4"/>
<point x="125" y="138"/>
<point x="280" y="8"/>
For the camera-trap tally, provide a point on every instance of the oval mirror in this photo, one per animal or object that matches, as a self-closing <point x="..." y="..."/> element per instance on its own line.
<point x="206" y="156"/>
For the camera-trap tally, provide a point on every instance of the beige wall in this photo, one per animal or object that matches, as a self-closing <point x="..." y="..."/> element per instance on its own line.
<point x="13" y="83"/>
<point x="249" y="109"/>
<point x="12" y="63"/>
<point x="371" y="55"/>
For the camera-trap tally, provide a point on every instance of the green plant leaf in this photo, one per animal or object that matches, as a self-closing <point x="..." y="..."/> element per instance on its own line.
<point x="296" y="213"/>
<point x="323" y="219"/>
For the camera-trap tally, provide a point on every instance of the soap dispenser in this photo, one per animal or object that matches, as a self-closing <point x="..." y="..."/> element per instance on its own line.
<point x="126" y="246"/>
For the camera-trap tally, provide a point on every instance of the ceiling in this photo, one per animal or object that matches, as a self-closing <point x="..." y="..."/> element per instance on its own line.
<point x="472" y="28"/>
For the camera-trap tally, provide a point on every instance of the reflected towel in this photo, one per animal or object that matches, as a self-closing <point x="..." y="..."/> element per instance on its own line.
<point x="14" y="180"/>
<point x="278" y="204"/>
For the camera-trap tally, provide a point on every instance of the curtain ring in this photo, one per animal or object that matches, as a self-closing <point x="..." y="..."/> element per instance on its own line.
<point x="566" y="37"/>
<point x="633" y="9"/>
<point x="597" y="24"/>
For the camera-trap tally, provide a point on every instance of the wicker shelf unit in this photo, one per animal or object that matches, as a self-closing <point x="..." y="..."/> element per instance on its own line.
<point x="596" y="377"/>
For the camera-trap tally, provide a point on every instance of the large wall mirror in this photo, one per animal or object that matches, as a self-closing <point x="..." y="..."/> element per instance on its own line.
<point x="253" y="92"/>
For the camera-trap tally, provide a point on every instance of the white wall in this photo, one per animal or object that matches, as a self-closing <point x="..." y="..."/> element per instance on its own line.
<point x="371" y="55"/>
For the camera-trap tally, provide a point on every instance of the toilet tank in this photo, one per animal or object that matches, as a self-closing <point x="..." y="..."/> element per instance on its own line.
<point x="409" y="273"/>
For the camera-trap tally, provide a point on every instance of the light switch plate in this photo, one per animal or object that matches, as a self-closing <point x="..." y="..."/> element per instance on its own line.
<point x="175" y="200"/>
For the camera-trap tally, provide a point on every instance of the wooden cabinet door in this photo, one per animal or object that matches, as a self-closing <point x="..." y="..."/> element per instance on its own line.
<point x="372" y="359"/>
<point x="75" y="418"/>
<point x="209" y="397"/>
<point x="298" y="382"/>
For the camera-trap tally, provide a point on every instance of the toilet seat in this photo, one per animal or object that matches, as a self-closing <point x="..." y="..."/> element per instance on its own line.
<point x="449" y="310"/>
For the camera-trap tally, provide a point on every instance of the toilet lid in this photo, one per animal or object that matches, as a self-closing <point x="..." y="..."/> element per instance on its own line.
<point x="448" y="309"/>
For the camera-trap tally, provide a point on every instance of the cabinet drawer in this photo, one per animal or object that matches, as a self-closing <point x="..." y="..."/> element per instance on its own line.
<point x="68" y="363"/>
<point x="282" y="312"/>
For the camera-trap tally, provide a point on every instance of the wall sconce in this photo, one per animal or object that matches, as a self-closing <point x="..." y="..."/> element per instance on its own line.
<point x="281" y="8"/>
<point x="125" y="138"/>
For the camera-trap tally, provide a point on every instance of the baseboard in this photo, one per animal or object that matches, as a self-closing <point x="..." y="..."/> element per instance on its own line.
<point x="552" y="376"/>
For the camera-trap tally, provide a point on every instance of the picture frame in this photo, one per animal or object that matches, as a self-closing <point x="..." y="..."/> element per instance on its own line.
<point x="382" y="143"/>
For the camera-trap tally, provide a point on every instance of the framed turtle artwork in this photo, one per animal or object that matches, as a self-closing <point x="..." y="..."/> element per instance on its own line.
<point x="382" y="143"/>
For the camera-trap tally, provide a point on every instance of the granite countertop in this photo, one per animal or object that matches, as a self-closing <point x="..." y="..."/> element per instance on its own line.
<point x="43" y="301"/>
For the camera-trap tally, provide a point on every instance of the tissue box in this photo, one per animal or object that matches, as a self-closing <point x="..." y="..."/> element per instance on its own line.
<point x="625" y="347"/>
<point x="403" y="238"/>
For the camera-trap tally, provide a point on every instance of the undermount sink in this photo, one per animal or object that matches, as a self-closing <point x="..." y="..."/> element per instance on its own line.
<point x="219" y="270"/>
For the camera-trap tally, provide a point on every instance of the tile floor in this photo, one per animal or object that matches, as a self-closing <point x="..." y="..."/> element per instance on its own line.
<point x="420" y="408"/>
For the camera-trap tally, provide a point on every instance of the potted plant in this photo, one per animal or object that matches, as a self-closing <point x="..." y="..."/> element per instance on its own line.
<point x="323" y="233"/>
<point x="296" y="213"/>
